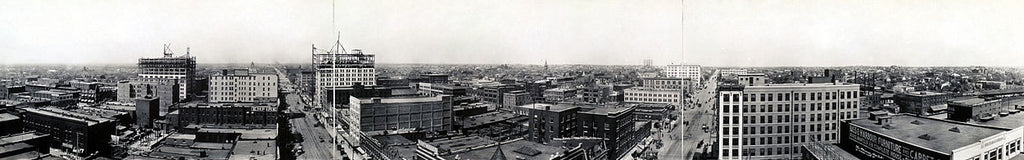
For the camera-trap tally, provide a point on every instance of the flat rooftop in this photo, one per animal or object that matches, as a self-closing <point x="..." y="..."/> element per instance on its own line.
<point x="262" y="133"/>
<point x="68" y="115"/>
<point x="911" y="129"/>
<point x="401" y="99"/>
<point x="460" y="143"/>
<point x="20" y="137"/>
<point x="972" y="102"/>
<point x="1013" y="120"/>
<point x="606" y="110"/>
<point x="553" y="107"/>
<point x="561" y="89"/>
<point x="486" y="118"/>
<point x="254" y="149"/>
<point x="825" y="151"/>
<point x="922" y="93"/>
<point x="4" y="117"/>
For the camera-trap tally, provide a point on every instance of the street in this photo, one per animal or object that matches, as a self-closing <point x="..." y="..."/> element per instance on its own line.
<point x="315" y="140"/>
<point x="698" y="112"/>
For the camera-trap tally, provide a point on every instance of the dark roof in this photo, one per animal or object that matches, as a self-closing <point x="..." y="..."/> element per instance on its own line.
<point x="934" y="134"/>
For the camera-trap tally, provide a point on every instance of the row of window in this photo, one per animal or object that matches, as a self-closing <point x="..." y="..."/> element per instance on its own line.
<point x="266" y="78"/>
<point x="759" y="152"/>
<point x="651" y="94"/>
<point x="368" y="83"/>
<point x="769" y="108"/>
<point x="783" y="118"/>
<point x="636" y="99"/>
<point x="802" y="128"/>
<point x="243" y="83"/>
<point x="813" y="96"/>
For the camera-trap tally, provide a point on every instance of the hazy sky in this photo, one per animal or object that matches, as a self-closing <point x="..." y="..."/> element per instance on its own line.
<point x="430" y="31"/>
<point x="854" y="32"/>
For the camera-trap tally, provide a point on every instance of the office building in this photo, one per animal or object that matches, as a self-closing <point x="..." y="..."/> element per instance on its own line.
<point x="74" y="134"/>
<point x="662" y="83"/>
<point x="907" y="136"/>
<point x="517" y="98"/>
<point x="241" y="85"/>
<point x="181" y="69"/>
<point x="556" y="95"/>
<point x="653" y="95"/>
<point x="493" y="93"/>
<point x="597" y="94"/>
<point x="147" y="109"/>
<point x="922" y="102"/>
<point x="771" y="121"/>
<point x="58" y="98"/>
<point x="400" y="114"/>
<point x="615" y="124"/>
<point x="691" y="72"/>
<point x="167" y="90"/>
<point x="337" y="71"/>
<point x="439" y="89"/>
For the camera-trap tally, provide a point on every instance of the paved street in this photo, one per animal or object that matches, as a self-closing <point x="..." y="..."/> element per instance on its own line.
<point x="698" y="113"/>
<point x="315" y="141"/>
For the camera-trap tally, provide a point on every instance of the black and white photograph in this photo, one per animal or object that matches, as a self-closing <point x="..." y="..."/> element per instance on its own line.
<point x="844" y="79"/>
<point x="344" y="80"/>
<point x="512" y="80"/>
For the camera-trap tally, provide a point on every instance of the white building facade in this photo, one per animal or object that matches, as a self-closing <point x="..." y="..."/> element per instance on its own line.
<point x="240" y="85"/>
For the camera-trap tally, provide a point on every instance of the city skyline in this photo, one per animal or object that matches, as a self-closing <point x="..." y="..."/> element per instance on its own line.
<point x="504" y="32"/>
<point x="850" y="33"/>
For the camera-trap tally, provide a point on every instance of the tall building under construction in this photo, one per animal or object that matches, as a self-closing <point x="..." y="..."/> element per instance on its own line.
<point x="339" y="71"/>
<point x="181" y="68"/>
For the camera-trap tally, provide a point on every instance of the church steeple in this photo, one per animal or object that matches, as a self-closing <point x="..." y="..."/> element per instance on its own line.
<point x="545" y="66"/>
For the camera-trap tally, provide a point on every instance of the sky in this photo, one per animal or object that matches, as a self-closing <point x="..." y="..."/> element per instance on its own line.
<point x="434" y="31"/>
<point x="853" y="32"/>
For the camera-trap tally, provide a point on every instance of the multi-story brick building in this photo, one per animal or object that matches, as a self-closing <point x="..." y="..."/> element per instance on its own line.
<point x="226" y="113"/>
<point x="550" y="121"/>
<point x="517" y="98"/>
<point x="556" y="95"/>
<point x="922" y="102"/>
<point x="74" y="134"/>
<point x="615" y="124"/>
